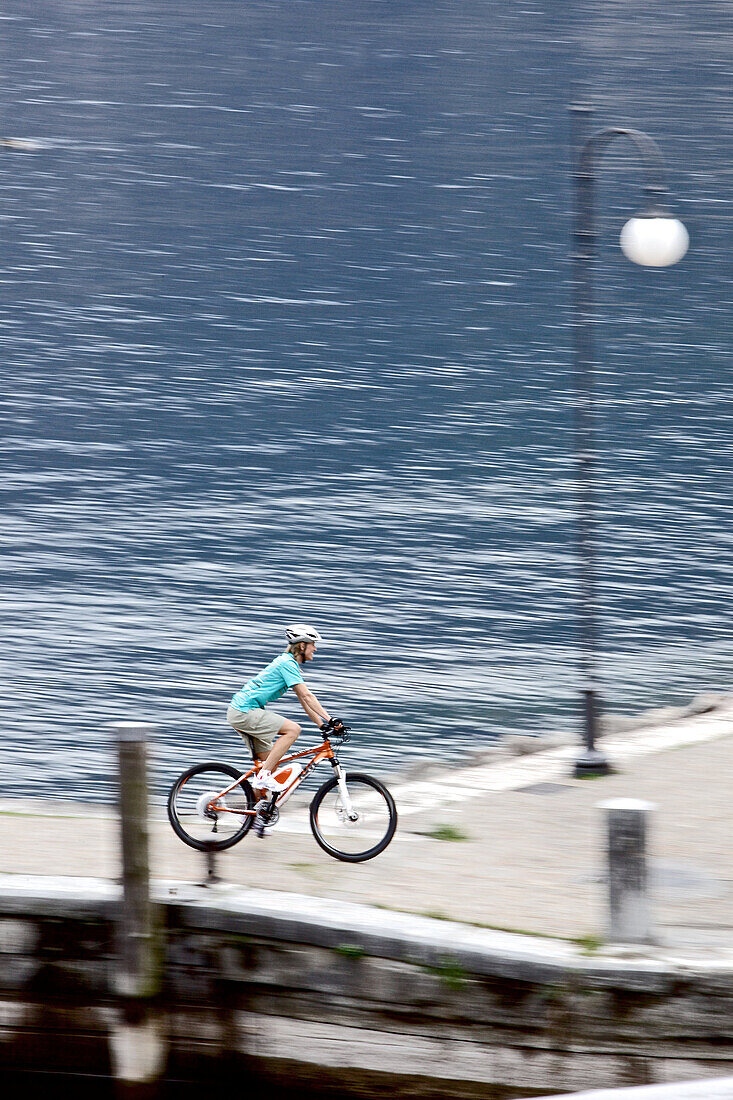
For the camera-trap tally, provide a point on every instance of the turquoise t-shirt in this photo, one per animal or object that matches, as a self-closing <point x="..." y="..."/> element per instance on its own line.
<point x="281" y="674"/>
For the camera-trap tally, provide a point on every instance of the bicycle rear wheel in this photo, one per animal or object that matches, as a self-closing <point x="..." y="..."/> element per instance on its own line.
<point x="363" y="833"/>
<point x="201" y="815"/>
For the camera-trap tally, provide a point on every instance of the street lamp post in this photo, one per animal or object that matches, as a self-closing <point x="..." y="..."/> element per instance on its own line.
<point x="652" y="238"/>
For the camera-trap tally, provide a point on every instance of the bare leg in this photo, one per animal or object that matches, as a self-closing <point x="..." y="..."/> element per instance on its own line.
<point x="288" y="735"/>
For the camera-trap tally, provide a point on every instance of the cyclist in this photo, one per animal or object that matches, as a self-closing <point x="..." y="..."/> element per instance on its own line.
<point x="270" y="735"/>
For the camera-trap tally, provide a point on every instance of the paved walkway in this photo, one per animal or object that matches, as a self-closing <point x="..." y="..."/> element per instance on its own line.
<point x="528" y="852"/>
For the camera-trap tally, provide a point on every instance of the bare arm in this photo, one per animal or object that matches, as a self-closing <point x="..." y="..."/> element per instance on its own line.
<point x="310" y="705"/>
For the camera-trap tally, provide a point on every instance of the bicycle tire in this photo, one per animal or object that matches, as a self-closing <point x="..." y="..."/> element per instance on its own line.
<point x="194" y="821"/>
<point x="341" y="837"/>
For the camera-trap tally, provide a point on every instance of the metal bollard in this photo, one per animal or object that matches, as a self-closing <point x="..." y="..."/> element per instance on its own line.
<point x="629" y="917"/>
<point x="136" y="1041"/>
<point x="211" y="876"/>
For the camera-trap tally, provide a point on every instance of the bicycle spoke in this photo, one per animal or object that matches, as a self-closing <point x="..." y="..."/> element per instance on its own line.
<point x="202" y="815"/>
<point x="356" y="828"/>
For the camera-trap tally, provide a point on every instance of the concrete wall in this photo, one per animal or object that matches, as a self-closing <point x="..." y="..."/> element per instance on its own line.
<point x="345" y="998"/>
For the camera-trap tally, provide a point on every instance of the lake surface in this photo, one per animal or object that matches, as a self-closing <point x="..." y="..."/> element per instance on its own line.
<point x="286" y="334"/>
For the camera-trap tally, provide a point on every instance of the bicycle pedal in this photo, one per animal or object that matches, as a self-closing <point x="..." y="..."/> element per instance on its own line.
<point x="262" y="818"/>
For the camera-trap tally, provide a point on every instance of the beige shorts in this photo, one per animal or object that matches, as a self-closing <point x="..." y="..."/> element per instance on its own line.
<point x="259" y="728"/>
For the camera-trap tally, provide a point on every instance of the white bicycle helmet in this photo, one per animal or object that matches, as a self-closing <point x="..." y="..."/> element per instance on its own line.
<point x="301" y="632"/>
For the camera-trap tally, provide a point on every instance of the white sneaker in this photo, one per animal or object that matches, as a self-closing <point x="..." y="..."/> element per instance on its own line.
<point x="266" y="781"/>
<point x="254" y="781"/>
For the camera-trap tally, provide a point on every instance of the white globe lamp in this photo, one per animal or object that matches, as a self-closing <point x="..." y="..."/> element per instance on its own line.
<point x="654" y="241"/>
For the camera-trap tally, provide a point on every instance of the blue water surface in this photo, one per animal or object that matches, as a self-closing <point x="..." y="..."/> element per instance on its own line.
<point x="285" y="321"/>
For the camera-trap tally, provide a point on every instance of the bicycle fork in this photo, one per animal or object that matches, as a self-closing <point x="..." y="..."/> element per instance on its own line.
<point x="344" y="791"/>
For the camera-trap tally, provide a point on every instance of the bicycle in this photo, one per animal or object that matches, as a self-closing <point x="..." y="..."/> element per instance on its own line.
<point x="353" y="817"/>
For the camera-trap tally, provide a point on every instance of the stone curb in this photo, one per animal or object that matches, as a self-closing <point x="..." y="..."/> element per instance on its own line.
<point x="296" y="918"/>
<point x="706" y="704"/>
<point x="716" y="1088"/>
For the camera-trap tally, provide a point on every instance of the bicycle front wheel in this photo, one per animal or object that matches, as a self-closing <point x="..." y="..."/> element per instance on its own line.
<point x="358" y="829"/>
<point x="202" y="815"/>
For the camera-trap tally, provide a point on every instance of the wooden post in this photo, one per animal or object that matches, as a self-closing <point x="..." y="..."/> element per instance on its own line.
<point x="136" y="1041"/>
<point x="629" y="917"/>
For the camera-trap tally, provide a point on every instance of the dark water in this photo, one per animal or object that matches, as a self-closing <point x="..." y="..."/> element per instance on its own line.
<point x="285" y="333"/>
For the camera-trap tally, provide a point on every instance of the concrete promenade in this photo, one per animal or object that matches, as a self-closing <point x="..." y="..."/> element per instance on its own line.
<point x="517" y="844"/>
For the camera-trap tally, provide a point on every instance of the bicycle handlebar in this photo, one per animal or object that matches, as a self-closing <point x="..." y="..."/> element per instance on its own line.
<point x="336" y="728"/>
<point x="334" y="723"/>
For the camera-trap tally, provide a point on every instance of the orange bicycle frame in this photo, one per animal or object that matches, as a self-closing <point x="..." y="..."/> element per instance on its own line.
<point x="319" y="753"/>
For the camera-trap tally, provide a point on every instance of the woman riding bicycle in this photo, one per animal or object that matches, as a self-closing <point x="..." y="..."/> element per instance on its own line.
<point x="270" y="735"/>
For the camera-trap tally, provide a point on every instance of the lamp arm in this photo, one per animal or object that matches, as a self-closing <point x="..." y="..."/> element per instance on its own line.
<point x="655" y="188"/>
